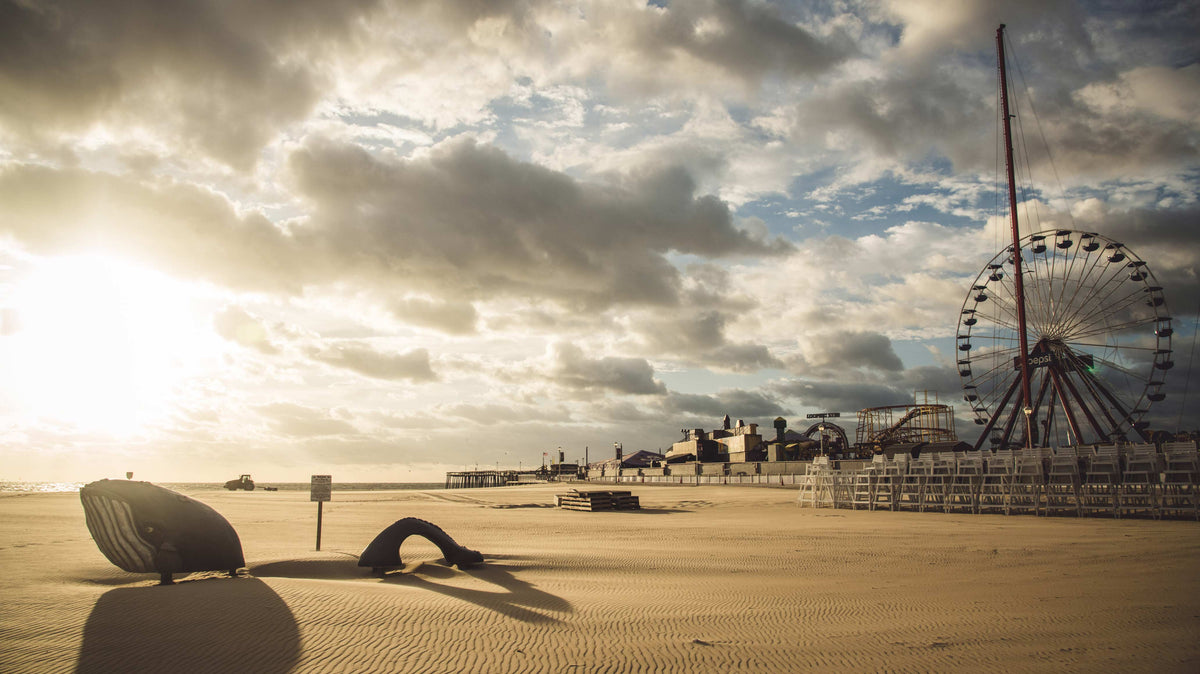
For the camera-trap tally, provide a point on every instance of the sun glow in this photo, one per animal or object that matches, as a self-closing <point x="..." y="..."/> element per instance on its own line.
<point x="95" y="344"/>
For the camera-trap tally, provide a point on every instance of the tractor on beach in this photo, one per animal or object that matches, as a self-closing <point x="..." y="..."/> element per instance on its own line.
<point x="243" y="482"/>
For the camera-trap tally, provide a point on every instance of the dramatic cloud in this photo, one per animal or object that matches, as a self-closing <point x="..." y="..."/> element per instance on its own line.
<point x="220" y="79"/>
<point x="854" y="350"/>
<point x="573" y="369"/>
<point x="365" y="360"/>
<point x="457" y="319"/>
<point x="746" y="39"/>
<point x="737" y="404"/>
<point x="340" y="233"/>
<point x="468" y="222"/>
<point x="494" y="414"/>
<point x="699" y="336"/>
<point x="192" y="231"/>
<point x="301" y="421"/>
<point x="472" y="222"/>
<point x="236" y="325"/>
<point x="847" y="395"/>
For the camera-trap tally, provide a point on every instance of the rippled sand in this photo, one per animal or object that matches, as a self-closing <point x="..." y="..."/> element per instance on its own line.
<point x="701" y="579"/>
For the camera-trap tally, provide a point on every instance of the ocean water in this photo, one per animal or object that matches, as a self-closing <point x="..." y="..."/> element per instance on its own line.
<point x="50" y="487"/>
<point x="39" y="487"/>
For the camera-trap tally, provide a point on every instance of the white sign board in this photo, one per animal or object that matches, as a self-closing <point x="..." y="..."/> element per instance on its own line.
<point x="321" y="488"/>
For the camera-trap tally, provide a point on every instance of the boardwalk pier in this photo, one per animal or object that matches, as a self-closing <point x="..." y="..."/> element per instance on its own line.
<point x="479" y="478"/>
<point x="466" y="479"/>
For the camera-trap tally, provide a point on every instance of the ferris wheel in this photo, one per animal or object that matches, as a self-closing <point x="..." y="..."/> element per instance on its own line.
<point x="1098" y="337"/>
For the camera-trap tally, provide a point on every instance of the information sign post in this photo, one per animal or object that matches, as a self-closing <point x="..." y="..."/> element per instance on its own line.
<point x="320" y="490"/>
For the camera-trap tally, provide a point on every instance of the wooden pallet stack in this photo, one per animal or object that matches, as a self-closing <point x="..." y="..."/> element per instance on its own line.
<point x="591" y="501"/>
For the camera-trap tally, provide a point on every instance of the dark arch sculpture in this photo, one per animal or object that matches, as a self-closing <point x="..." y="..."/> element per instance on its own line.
<point x="383" y="553"/>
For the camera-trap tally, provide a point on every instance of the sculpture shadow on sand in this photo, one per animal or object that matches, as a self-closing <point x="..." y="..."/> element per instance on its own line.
<point x="215" y="624"/>
<point x="515" y="598"/>
<point x="512" y="597"/>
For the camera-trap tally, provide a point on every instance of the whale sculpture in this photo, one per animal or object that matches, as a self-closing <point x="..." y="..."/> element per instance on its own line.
<point x="383" y="553"/>
<point x="144" y="528"/>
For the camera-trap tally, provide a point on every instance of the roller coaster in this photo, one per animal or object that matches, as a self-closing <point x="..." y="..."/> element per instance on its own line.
<point x="908" y="424"/>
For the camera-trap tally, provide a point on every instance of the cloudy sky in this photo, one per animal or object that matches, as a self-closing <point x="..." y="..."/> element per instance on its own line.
<point x="382" y="240"/>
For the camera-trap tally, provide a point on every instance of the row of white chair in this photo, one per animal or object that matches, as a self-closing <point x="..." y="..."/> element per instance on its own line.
<point x="1104" y="480"/>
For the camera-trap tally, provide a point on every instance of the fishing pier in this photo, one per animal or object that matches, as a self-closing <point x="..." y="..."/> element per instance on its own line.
<point x="480" y="478"/>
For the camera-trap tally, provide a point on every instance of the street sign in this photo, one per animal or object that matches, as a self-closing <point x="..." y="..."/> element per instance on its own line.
<point x="824" y="415"/>
<point x="321" y="488"/>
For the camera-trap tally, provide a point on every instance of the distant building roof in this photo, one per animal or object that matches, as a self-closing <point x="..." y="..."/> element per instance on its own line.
<point x="639" y="459"/>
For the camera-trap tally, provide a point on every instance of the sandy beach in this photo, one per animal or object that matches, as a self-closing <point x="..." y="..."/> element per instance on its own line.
<point x="701" y="579"/>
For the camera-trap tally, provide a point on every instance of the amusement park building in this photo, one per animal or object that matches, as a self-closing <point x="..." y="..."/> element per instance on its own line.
<point x="912" y="426"/>
<point x="738" y="444"/>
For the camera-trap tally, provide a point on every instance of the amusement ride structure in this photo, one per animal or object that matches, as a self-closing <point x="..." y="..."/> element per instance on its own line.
<point x="1064" y="337"/>
<point x="921" y="422"/>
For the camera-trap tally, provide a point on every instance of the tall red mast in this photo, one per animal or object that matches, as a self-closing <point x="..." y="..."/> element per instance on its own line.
<point x="1018" y="277"/>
